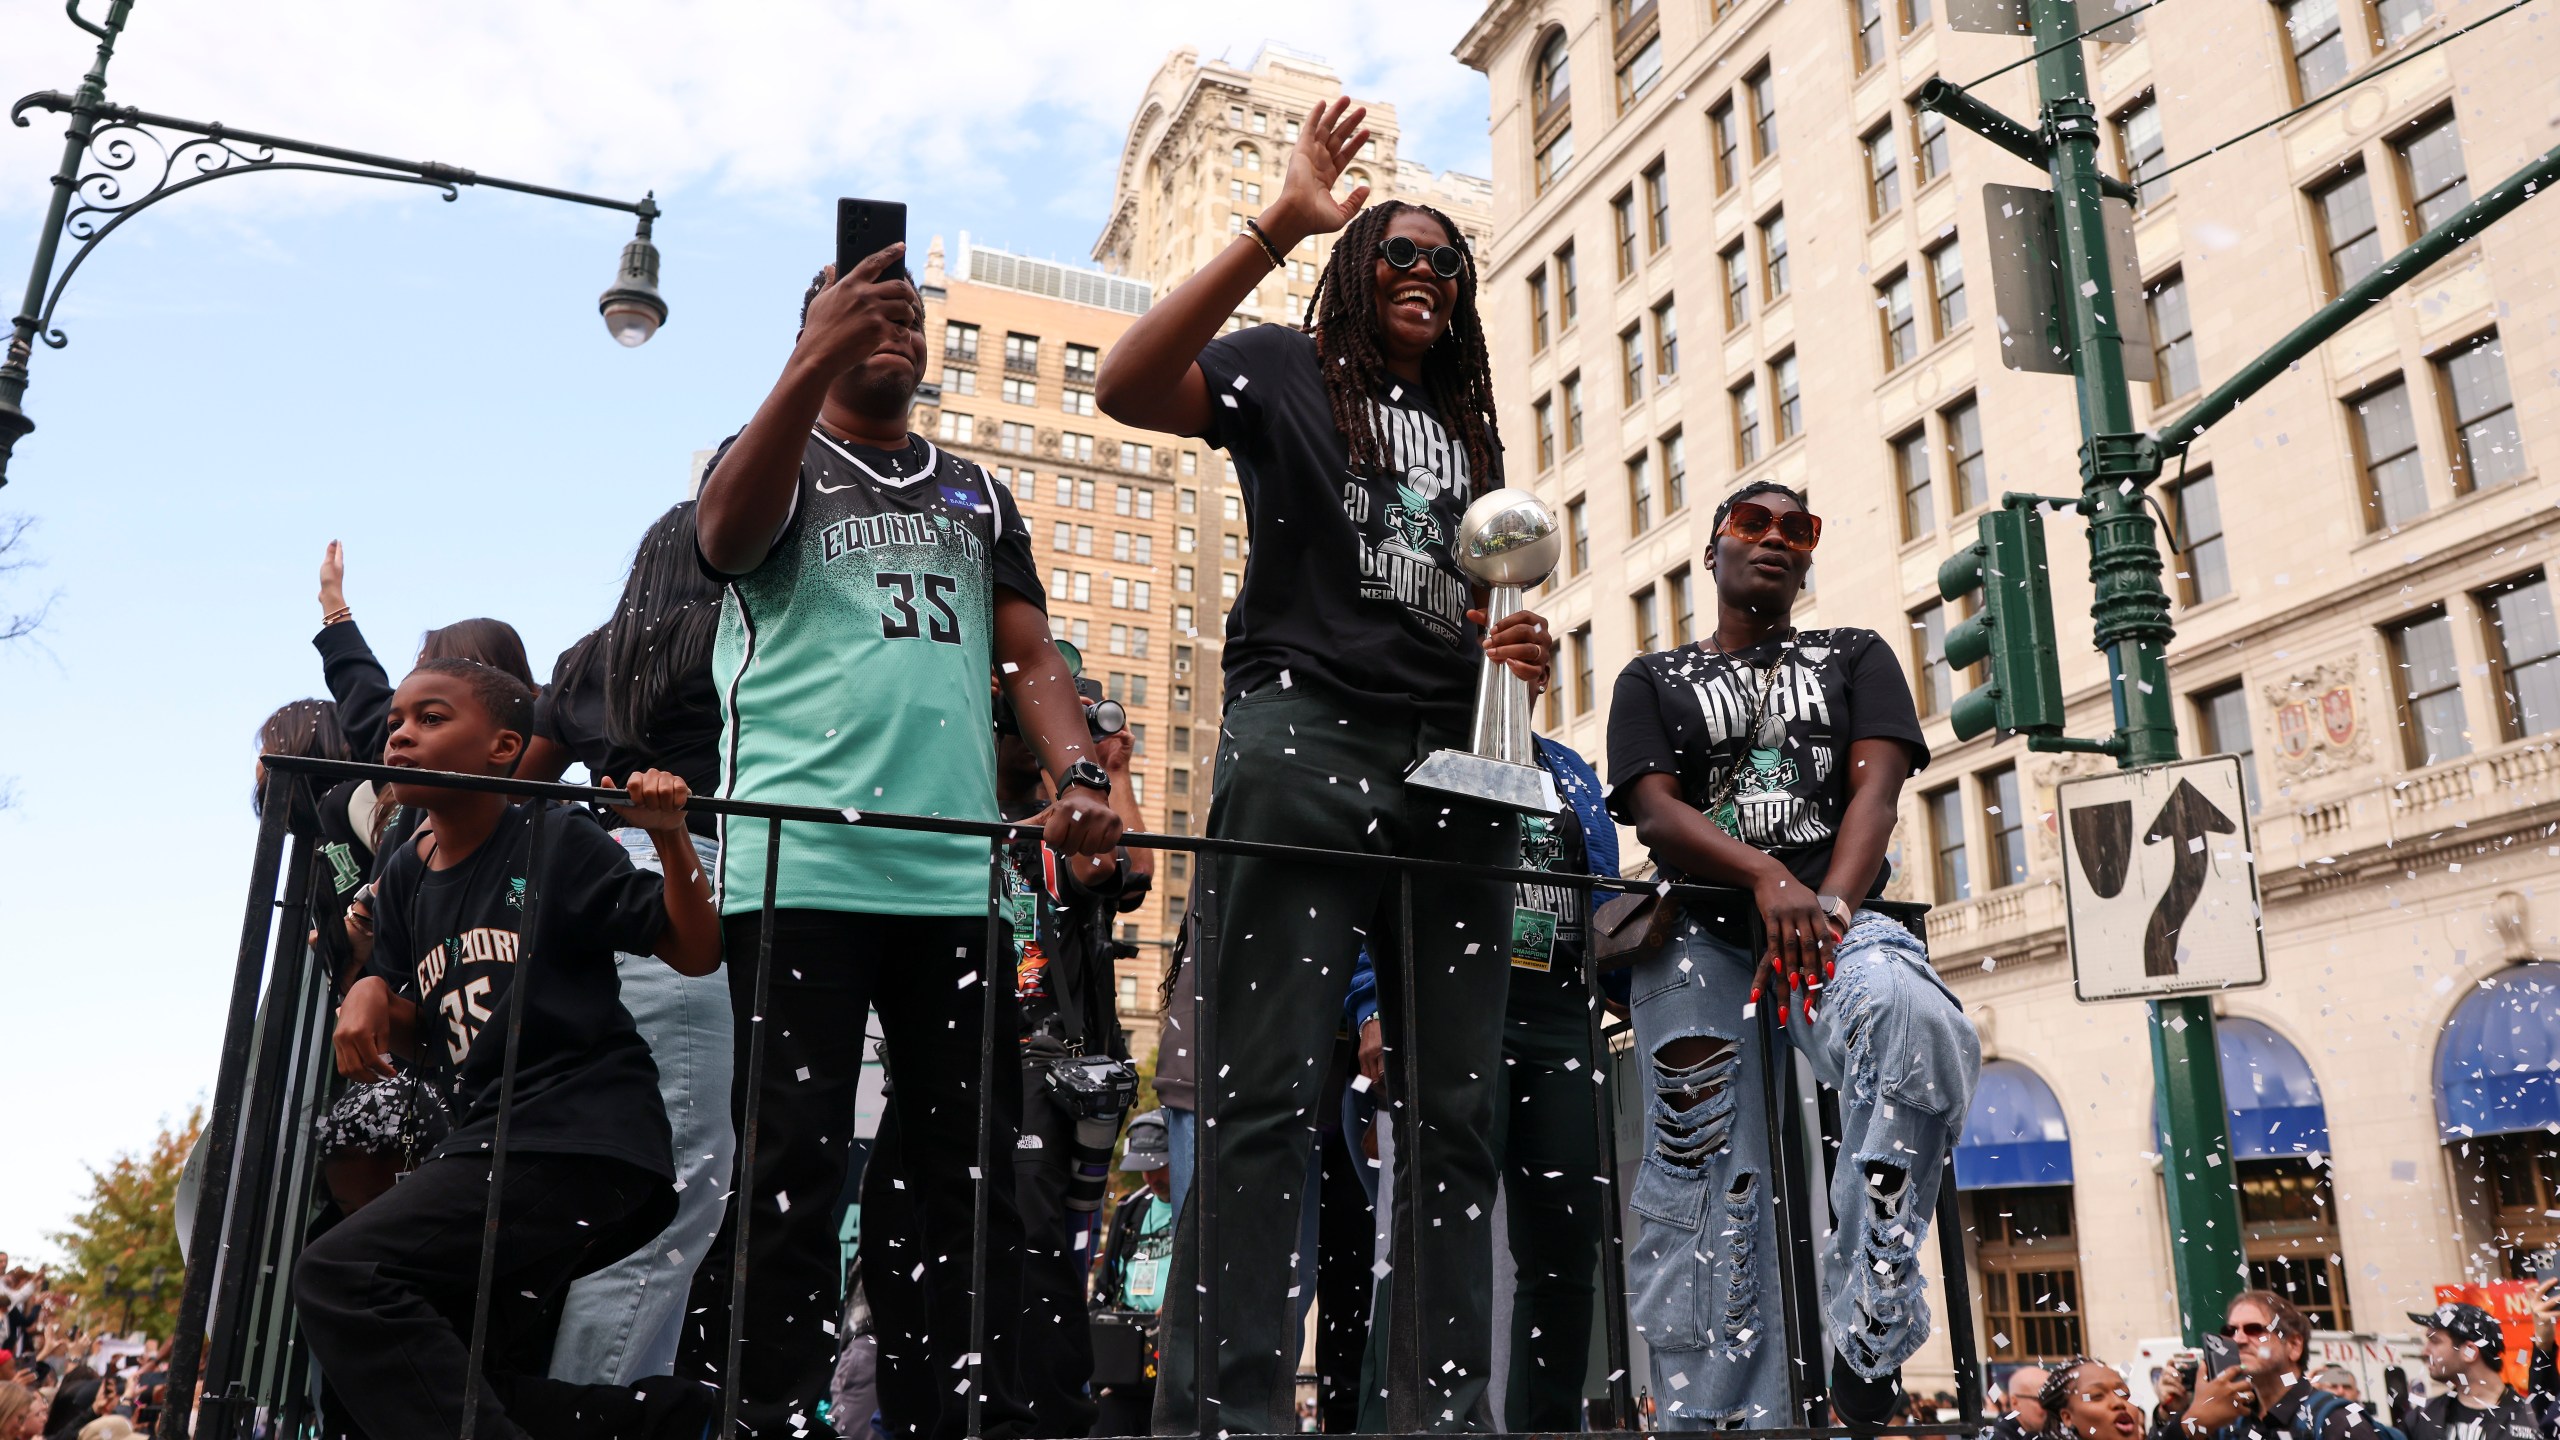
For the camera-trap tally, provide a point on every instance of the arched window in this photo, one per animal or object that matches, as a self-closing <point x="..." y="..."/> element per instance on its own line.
<point x="2497" y="1106"/>
<point x="2014" y="1167"/>
<point x="1554" y="79"/>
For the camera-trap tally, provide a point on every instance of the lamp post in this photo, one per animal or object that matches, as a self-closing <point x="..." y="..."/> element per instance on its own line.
<point x="109" y="149"/>
<point x="113" y="1287"/>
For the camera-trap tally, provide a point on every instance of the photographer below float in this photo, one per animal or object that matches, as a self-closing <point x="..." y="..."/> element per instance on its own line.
<point x="1077" y="1083"/>
<point x="2267" y="1395"/>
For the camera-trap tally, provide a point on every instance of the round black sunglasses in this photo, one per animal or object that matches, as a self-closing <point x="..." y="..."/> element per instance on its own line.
<point x="1400" y="251"/>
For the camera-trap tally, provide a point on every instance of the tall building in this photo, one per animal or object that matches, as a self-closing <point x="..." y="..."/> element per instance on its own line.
<point x="1115" y="517"/>
<point x="2363" y="609"/>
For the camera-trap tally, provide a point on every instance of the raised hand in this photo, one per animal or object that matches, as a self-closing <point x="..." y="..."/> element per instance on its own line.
<point x="856" y="316"/>
<point x="1327" y="142"/>
<point x="333" y="579"/>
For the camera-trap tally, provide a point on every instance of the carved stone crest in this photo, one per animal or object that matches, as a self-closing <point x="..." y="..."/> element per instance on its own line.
<point x="2323" y="720"/>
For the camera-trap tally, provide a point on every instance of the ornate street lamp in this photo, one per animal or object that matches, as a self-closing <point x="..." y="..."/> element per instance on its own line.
<point x="110" y="149"/>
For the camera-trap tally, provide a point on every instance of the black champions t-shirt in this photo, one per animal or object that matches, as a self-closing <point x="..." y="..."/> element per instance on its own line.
<point x="1683" y="713"/>
<point x="449" y="941"/>
<point x="1350" y="583"/>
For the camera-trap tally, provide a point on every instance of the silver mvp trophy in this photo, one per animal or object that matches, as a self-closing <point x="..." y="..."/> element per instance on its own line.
<point x="1507" y="540"/>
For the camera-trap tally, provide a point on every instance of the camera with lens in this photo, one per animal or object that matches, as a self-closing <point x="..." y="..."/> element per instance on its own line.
<point x="1102" y="716"/>
<point x="1097" y="1091"/>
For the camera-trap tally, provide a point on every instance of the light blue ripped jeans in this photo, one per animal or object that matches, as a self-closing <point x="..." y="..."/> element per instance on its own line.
<point x="1703" y="1273"/>
<point x="620" y="1324"/>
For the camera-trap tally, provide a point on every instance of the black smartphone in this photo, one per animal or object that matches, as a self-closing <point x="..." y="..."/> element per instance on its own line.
<point x="865" y="228"/>
<point x="2219" y="1355"/>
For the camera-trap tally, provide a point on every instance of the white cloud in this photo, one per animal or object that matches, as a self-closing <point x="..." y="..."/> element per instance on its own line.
<point x="753" y="101"/>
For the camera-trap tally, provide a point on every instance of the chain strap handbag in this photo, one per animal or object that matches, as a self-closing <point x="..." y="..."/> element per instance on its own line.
<point x="1631" y="928"/>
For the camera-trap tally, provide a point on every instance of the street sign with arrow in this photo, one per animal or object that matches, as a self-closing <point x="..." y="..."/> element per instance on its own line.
<point x="2158" y="881"/>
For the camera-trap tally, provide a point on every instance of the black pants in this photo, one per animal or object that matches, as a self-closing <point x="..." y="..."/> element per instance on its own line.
<point x="1552" y="1194"/>
<point x="926" y="976"/>
<point x="386" y="1296"/>
<point x="1057" y="1344"/>
<point x="1278" y="941"/>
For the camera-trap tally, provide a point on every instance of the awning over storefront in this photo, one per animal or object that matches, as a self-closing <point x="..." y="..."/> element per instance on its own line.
<point x="2014" y="1134"/>
<point x="2271" y="1098"/>
<point x="2498" y="1061"/>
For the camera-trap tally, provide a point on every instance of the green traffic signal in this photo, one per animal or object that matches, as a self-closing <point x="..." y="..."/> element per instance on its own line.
<point x="2012" y="628"/>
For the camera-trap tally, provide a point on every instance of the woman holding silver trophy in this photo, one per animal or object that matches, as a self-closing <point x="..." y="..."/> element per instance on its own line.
<point x="1365" y="447"/>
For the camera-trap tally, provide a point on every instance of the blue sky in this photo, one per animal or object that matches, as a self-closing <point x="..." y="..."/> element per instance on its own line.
<point x="270" y="362"/>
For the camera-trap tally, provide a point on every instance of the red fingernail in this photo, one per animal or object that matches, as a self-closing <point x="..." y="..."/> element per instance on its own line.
<point x="1755" y="994"/>
<point x="1829" y="969"/>
<point x="1782" y="1014"/>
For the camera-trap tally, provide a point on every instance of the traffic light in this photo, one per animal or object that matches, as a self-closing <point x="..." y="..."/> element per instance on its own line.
<point x="2012" y="628"/>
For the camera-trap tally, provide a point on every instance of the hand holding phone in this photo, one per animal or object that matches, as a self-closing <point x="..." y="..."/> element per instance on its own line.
<point x="864" y="228"/>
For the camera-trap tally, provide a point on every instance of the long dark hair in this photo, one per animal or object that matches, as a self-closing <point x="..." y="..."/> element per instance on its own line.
<point x="1343" y="317"/>
<point x="305" y="728"/>
<point x="661" y="631"/>
<point x="493" y="643"/>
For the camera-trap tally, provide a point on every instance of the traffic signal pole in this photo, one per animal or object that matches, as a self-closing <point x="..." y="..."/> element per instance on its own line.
<point x="2118" y="461"/>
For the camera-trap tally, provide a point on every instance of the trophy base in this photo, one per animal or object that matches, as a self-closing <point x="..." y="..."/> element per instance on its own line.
<point x="1526" y="788"/>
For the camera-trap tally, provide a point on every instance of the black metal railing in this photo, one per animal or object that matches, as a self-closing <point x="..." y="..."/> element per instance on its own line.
<point x="238" y="1345"/>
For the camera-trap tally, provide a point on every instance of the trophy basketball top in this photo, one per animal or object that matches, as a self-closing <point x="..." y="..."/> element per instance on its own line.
<point x="1508" y="537"/>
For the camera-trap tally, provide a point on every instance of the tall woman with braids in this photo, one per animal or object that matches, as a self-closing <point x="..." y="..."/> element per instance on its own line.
<point x="1351" y="653"/>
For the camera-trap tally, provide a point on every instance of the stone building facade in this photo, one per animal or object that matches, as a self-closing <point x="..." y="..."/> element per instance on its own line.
<point x="2363" y="607"/>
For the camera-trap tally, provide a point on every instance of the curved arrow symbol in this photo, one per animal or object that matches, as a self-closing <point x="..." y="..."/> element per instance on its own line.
<point x="2183" y="822"/>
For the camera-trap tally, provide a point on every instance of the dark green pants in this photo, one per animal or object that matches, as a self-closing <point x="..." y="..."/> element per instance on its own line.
<point x="1548" y="1142"/>
<point x="1278" y="941"/>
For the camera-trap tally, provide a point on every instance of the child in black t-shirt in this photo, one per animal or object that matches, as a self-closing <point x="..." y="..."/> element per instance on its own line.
<point x="486" y="889"/>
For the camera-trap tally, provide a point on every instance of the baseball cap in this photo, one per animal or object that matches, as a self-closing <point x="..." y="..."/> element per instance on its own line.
<point x="1150" y="1148"/>
<point x="2468" y="1324"/>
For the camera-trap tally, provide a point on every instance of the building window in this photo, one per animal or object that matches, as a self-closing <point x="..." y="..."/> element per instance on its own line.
<point x="2222" y="724"/>
<point x="1082" y="588"/>
<point x="1946" y="840"/>
<point x="1746" y="423"/>
<point x="1020" y="392"/>
<point x="1684" y="606"/>
<point x="1622" y="221"/>
<point x="2347" y="229"/>
<point x="2433" y="725"/>
<point x="2395" y="490"/>
<point x="2431" y="162"/>
<point x="2318" y="48"/>
<point x="1538" y="311"/>
<point x="2004" y="826"/>
<point x="2486" y="445"/>
<point x="1226" y="584"/>
<point x="2524" y="646"/>
<point x="1648" y="608"/>
<point x="1936" y="689"/>
<point x="1790" y="407"/>
<point x="1554" y="77"/>
<point x="1076" y="402"/>
<point x="2030" y="1272"/>
<point x="1737" y="286"/>
<point x="1928" y="144"/>
<point x="1967" y="473"/>
<point x="959" y="382"/>
<point x="1763" y="90"/>
<point x="959" y="342"/>
<point x="1568" y="288"/>
<point x="1582" y="688"/>
<point x="1631" y="364"/>
<point x="1884" y="172"/>
<point x="1915" y="15"/>
<point x="1639" y="494"/>
<point x="1895" y="322"/>
<point x="1083" y="363"/>
<point x="1577" y="534"/>
<point x="1773" y="256"/>
<point x="2173" y="339"/>
<point x="1911" y="475"/>
<point x="2197" y="509"/>
<point x="1675" y="472"/>
<point x="1866" y="27"/>
<point x="1641" y="72"/>
<point x="1657" y="208"/>
<point x="1554" y="158"/>
<point x="1084" y="540"/>
<point x="2141" y="150"/>
<point x="1724" y="136"/>
<point x="957" y="429"/>
<point x="1573" y="412"/>
<point x="2288" y="1240"/>
<point x="1543" y="421"/>
<point x="2396" y="20"/>
<point x="1946" y="285"/>
<point x="1666" y="343"/>
<point x="1022" y="352"/>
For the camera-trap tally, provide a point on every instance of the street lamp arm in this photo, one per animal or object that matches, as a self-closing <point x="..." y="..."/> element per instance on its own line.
<point x="2356" y="300"/>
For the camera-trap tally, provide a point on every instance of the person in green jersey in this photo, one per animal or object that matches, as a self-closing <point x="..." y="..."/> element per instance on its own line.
<point x="872" y="582"/>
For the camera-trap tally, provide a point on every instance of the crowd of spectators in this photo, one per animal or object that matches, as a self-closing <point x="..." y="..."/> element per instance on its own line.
<point x="61" y="1380"/>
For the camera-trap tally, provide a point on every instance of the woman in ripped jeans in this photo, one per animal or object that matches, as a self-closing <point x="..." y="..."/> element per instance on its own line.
<point x="1768" y="759"/>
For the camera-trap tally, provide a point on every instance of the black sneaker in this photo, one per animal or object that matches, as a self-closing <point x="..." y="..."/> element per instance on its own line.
<point x="1860" y="1404"/>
